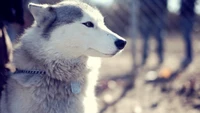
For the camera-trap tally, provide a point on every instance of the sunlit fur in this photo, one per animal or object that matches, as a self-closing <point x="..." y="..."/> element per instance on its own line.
<point x="64" y="52"/>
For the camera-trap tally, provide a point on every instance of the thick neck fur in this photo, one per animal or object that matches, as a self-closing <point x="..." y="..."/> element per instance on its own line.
<point x="29" y="56"/>
<point x="53" y="90"/>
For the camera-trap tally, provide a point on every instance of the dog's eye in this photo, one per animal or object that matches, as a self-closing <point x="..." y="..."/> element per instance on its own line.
<point x="88" y="24"/>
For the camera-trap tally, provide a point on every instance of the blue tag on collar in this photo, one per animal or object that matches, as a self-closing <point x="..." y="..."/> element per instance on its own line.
<point x="75" y="87"/>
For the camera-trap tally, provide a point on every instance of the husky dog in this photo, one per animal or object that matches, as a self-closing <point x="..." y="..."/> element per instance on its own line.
<point x="57" y="68"/>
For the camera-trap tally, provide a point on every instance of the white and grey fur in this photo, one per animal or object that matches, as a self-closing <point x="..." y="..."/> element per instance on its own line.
<point x="61" y="45"/>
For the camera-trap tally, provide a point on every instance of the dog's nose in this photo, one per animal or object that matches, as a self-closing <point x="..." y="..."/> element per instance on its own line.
<point x="120" y="44"/>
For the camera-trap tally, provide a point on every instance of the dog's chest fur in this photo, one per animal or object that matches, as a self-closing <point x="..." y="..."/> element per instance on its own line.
<point x="50" y="93"/>
<point x="47" y="96"/>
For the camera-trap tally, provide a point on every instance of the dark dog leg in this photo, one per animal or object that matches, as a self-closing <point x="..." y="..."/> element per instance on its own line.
<point x="145" y="37"/>
<point x="187" y="24"/>
<point x="187" y="15"/>
<point x="159" y="38"/>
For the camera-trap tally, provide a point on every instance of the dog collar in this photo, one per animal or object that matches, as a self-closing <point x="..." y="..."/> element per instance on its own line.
<point x="30" y="72"/>
<point x="74" y="85"/>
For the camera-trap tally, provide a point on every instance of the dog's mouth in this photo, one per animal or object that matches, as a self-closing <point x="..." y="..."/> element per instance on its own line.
<point x="96" y="53"/>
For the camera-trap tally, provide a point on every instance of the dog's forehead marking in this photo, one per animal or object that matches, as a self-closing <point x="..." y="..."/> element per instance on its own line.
<point x="69" y="12"/>
<point x="65" y="14"/>
<point x="77" y="10"/>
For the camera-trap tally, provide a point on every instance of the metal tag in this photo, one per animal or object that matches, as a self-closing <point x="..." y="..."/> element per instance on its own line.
<point x="75" y="87"/>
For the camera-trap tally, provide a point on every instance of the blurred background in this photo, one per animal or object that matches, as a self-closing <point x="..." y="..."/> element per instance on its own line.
<point x="159" y="70"/>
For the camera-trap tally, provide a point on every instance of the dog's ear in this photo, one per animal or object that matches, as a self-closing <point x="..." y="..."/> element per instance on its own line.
<point x="41" y="12"/>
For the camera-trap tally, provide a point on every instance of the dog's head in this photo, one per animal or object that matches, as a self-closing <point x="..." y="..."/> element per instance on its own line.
<point x="73" y="29"/>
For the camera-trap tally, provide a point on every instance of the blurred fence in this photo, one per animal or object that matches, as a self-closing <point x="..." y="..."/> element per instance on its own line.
<point x="118" y="14"/>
